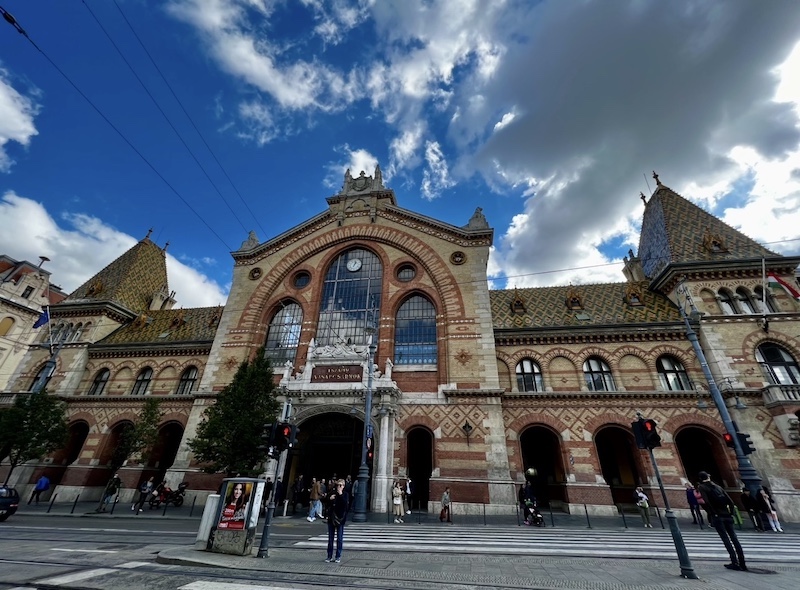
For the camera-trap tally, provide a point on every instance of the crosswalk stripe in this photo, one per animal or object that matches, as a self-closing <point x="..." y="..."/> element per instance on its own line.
<point x="558" y="542"/>
<point x="76" y="577"/>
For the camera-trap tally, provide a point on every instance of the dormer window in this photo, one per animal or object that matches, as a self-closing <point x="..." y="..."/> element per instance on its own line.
<point x="714" y="243"/>
<point x="27" y="292"/>
<point x="517" y="306"/>
<point x="633" y="296"/>
<point x="573" y="299"/>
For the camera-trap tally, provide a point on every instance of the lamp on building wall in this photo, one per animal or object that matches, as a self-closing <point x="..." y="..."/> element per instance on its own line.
<point x="467" y="428"/>
<point x="360" y="510"/>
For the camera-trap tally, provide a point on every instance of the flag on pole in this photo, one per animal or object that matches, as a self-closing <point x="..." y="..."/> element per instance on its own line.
<point x="774" y="281"/>
<point x="43" y="319"/>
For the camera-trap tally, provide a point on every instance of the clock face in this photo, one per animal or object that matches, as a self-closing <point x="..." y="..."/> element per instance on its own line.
<point x="353" y="264"/>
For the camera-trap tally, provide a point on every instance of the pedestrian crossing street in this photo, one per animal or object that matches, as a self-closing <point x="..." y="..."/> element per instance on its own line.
<point x="635" y="543"/>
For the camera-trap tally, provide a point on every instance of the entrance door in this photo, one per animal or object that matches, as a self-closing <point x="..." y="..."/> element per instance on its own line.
<point x="420" y="465"/>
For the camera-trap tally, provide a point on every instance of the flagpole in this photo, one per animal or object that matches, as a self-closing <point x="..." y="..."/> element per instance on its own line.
<point x="764" y="307"/>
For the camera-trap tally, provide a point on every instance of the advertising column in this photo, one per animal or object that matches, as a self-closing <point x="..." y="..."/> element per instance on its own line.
<point x="237" y="518"/>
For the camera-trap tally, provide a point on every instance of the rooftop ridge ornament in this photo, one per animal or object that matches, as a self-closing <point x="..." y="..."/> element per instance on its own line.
<point x="363" y="183"/>
<point x="655" y="176"/>
<point x="642" y="197"/>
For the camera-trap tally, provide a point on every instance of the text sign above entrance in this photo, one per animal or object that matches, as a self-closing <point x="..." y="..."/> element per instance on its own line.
<point x="336" y="374"/>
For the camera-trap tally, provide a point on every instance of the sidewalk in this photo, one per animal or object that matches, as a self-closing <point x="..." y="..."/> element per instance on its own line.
<point x="438" y="571"/>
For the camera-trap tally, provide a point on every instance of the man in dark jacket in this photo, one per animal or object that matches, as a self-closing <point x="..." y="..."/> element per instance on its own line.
<point x="720" y="505"/>
<point x="749" y="504"/>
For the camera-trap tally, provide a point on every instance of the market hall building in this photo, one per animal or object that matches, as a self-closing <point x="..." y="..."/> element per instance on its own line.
<point x="471" y="386"/>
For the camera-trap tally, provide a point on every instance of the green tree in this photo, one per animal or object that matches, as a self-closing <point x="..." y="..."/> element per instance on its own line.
<point x="137" y="438"/>
<point x="229" y="436"/>
<point x="31" y="429"/>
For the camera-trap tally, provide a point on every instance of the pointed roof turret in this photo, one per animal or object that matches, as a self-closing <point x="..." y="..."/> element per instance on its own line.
<point x="676" y="231"/>
<point x="130" y="281"/>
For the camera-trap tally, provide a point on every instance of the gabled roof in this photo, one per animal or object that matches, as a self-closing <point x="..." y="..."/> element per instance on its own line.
<point x="198" y="324"/>
<point x="676" y="231"/>
<point x="130" y="281"/>
<point x="605" y="304"/>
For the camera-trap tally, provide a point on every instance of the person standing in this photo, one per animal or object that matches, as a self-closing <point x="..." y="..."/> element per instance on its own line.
<point x="338" y="502"/>
<point x="112" y="487"/>
<point x="643" y="502"/>
<point x="397" y="502"/>
<point x="298" y="491"/>
<point x="445" y="513"/>
<point x="42" y="485"/>
<point x="144" y="491"/>
<point x="409" y="495"/>
<point x="278" y="491"/>
<point x="720" y="505"/>
<point x="768" y="508"/>
<point x="694" y="505"/>
<point x="751" y="506"/>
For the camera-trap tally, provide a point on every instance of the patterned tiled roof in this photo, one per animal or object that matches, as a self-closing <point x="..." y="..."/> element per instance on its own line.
<point x="130" y="281"/>
<point x="198" y="324"/>
<point x="674" y="230"/>
<point x="602" y="304"/>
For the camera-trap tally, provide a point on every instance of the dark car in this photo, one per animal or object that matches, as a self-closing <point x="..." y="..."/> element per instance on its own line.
<point x="9" y="502"/>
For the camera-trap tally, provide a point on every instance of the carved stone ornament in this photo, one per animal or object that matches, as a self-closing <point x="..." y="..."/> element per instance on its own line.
<point x="255" y="273"/>
<point x="633" y="295"/>
<point x="713" y="242"/>
<point x="231" y="363"/>
<point x="458" y="257"/>
<point x="96" y="288"/>
<point x="573" y="299"/>
<point x="251" y="242"/>
<point x="463" y="357"/>
<point x="362" y="183"/>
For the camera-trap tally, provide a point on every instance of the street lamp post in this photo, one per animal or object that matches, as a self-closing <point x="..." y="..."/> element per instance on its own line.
<point x="360" y="512"/>
<point x="747" y="473"/>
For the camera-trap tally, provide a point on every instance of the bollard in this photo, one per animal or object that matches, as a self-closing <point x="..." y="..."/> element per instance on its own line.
<point x="53" y="499"/>
<point x="419" y="514"/>
<point x="484" y="515"/>
<point x="519" y="523"/>
<point x="114" y="503"/>
<point x="191" y="510"/>
<point x="552" y="520"/>
<point x="588" y="522"/>
<point x="75" y="503"/>
<point x="165" y="509"/>
<point x="658" y="512"/>
<point x="622" y="513"/>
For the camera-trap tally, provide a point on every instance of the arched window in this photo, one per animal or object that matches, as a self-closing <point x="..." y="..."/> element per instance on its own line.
<point x="99" y="383"/>
<point x="76" y="335"/>
<point x="672" y="374"/>
<point x="778" y="365"/>
<point x="415" y="332"/>
<point x="142" y="381"/>
<point x="726" y="302"/>
<point x="529" y="376"/>
<point x="45" y="374"/>
<point x="5" y="326"/>
<point x="284" y="334"/>
<point x="351" y="298"/>
<point x="598" y="375"/>
<point x="188" y="379"/>
<point x="759" y="295"/>
<point x="746" y="303"/>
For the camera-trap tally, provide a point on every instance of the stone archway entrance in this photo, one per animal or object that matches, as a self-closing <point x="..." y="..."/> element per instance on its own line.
<point x="701" y="450"/>
<point x="162" y="456"/>
<point x="419" y="461"/>
<point x="541" y="449"/>
<point x="618" y="464"/>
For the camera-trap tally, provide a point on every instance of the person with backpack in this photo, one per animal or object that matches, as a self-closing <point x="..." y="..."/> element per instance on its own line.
<point x="145" y="489"/>
<point x="722" y="508"/>
<point x="694" y="504"/>
<point x="643" y="503"/>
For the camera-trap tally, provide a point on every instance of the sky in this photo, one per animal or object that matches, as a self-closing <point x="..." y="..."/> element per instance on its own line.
<point x="206" y="119"/>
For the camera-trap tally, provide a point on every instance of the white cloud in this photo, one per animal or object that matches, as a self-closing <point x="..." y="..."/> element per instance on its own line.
<point x="357" y="160"/>
<point x="505" y="121"/>
<point x="436" y="176"/>
<point x="16" y="118"/>
<point x="84" y="246"/>
<point x="258" y="123"/>
<point x="403" y="149"/>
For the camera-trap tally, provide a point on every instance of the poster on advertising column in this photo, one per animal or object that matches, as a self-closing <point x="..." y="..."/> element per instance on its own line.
<point x="237" y="518"/>
<point x="236" y="503"/>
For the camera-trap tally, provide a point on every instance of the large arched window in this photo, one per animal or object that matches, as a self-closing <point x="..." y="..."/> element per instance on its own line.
<point x="351" y="298"/>
<point x="415" y="332"/>
<point x="188" y="379"/>
<point x="283" y="334"/>
<point x="746" y="302"/>
<point x="759" y="295"/>
<point x="45" y="374"/>
<point x="726" y="302"/>
<point x="529" y="376"/>
<point x="99" y="383"/>
<point x="142" y="381"/>
<point x="778" y="365"/>
<point x="5" y="326"/>
<point x="598" y="375"/>
<point x="672" y="374"/>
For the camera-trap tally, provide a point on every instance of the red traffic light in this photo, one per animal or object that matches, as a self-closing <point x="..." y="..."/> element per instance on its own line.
<point x="728" y="437"/>
<point x="649" y="426"/>
<point x="286" y="430"/>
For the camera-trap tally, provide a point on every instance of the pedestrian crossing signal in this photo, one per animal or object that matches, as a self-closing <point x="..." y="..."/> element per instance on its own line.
<point x="651" y="437"/>
<point x="728" y="437"/>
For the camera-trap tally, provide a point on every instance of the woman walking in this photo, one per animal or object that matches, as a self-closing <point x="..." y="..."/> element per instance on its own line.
<point x="643" y="503"/>
<point x="445" y="506"/>
<point x="397" y="502"/>
<point x="768" y="509"/>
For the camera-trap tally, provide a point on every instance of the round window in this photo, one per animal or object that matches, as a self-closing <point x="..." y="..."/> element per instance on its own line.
<point x="301" y="279"/>
<point x="406" y="273"/>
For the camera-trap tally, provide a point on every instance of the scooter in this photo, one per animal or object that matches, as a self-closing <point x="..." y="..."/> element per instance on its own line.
<point x="170" y="496"/>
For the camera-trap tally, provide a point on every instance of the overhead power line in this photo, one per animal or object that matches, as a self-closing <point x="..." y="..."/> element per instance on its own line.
<point x="12" y="21"/>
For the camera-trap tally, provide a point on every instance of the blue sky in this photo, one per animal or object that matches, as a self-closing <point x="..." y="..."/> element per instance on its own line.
<point x="545" y="114"/>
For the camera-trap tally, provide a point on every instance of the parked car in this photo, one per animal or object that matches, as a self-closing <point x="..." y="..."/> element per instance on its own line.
<point x="9" y="502"/>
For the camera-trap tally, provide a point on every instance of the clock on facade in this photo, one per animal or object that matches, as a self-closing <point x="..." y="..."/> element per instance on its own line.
<point x="353" y="264"/>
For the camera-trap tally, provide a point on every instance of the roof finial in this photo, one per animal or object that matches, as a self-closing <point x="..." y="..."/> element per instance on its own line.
<point x="658" y="182"/>
<point x="165" y="247"/>
<point x="642" y="197"/>
<point x="149" y="232"/>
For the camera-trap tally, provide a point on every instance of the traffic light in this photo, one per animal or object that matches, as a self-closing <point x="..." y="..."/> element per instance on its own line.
<point x="370" y="449"/>
<point x="267" y="438"/>
<point x="728" y="440"/>
<point x="650" y="434"/>
<point x="286" y="436"/>
<point x="747" y="444"/>
<point x="638" y="434"/>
